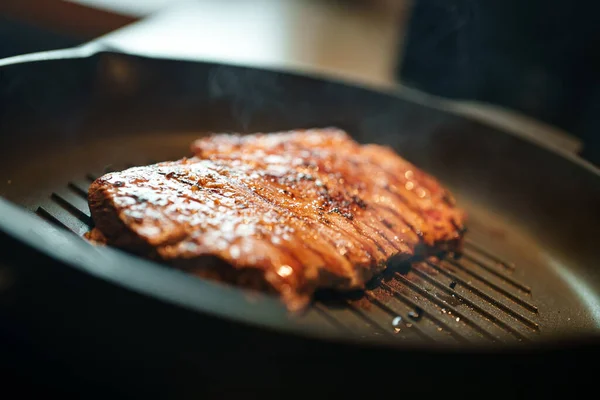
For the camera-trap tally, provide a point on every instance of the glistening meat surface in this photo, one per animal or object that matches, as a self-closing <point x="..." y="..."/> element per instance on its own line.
<point x="288" y="212"/>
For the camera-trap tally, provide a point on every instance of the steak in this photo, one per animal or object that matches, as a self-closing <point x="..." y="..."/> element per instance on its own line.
<point x="288" y="212"/>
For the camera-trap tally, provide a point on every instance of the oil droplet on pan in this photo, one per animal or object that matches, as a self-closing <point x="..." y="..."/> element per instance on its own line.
<point x="396" y="323"/>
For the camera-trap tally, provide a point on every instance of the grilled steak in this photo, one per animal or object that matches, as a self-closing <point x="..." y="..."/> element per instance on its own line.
<point x="287" y="212"/>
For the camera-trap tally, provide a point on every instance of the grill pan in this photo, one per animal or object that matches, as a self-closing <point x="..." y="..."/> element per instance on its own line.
<point x="522" y="304"/>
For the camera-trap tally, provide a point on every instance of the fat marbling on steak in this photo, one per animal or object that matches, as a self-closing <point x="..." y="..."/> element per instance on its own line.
<point x="288" y="212"/>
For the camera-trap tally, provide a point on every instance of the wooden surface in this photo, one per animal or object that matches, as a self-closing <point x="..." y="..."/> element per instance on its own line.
<point x="63" y="17"/>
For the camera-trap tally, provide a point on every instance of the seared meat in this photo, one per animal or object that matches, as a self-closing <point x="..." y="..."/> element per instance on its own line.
<point x="288" y="212"/>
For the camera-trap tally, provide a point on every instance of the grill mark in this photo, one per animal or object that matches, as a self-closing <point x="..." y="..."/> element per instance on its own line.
<point x="357" y="225"/>
<point x="362" y="235"/>
<point x="402" y="200"/>
<point x="418" y="183"/>
<point x="325" y="237"/>
<point x="314" y="224"/>
<point x="283" y="250"/>
<point x="379" y="233"/>
<point x="364" y="230"/>
<point x="359" y="238"/>
<point x="405" y="202"/>
<point x="397" y="194"/>
<point x="401" y="219"/>
<point x="323" y="255"/>
<point x="360" y="229"/>
<point x="388" y="212"/>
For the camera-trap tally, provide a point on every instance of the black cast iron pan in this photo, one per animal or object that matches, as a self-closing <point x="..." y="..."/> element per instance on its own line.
<point x="520" y="312"/>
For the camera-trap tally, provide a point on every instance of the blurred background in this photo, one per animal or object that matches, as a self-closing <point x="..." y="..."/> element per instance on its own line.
<point x="534" y="62"/>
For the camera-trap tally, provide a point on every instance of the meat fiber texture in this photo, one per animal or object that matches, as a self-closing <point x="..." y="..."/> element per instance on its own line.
<point x="288" y="212"/>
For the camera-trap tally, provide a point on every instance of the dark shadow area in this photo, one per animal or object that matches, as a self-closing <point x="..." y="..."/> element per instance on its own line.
<point x="17" y="37"/>
<point x="538" y="57"/>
